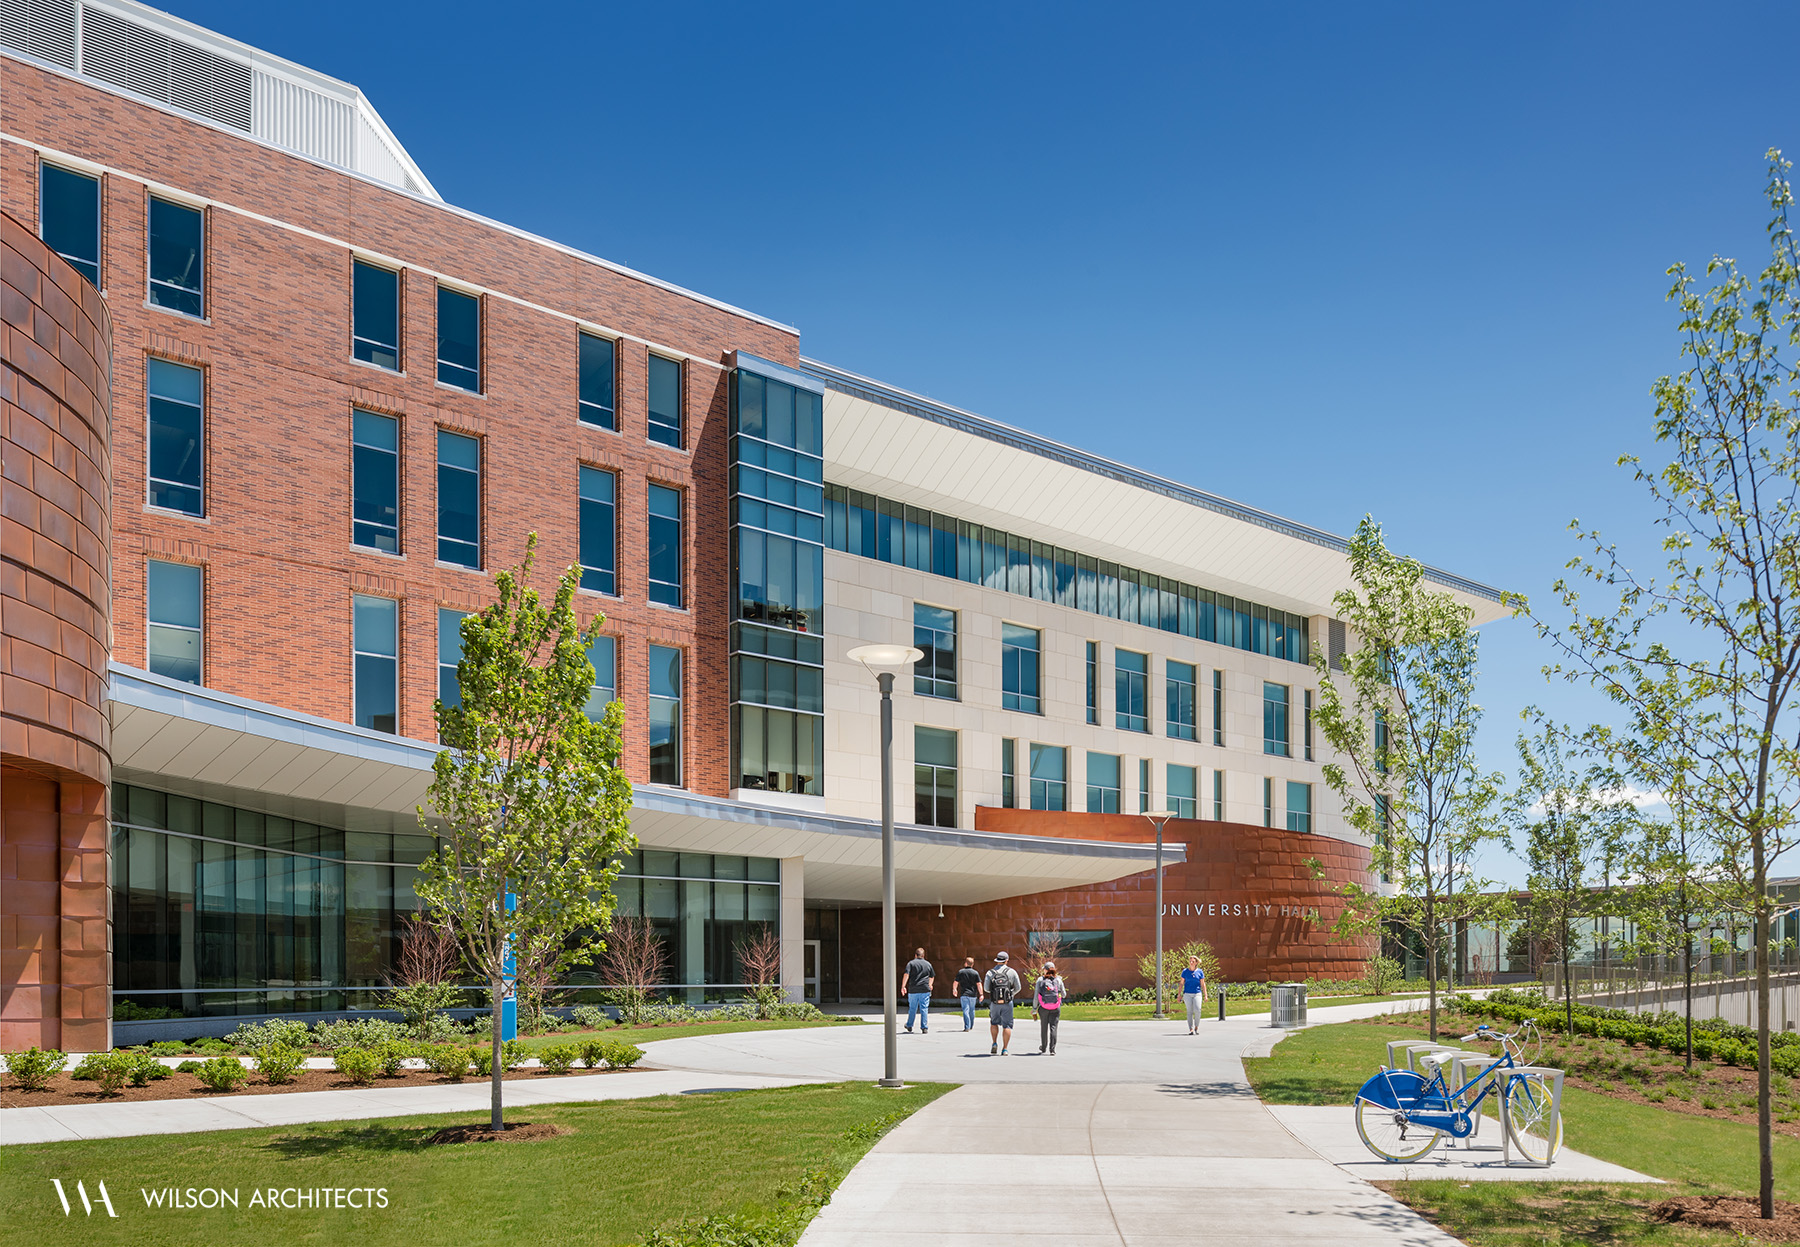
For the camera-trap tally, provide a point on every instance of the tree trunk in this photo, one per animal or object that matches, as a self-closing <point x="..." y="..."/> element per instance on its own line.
<point x="1687" y="940"/>
<point x="1431" y="972"/>
<point x="496" y="1119"/>
<point x="1568" y="995"/>
<point x="1764" y="1125"/>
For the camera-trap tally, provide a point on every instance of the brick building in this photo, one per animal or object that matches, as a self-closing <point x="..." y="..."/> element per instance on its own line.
<point x="341" y="403"/>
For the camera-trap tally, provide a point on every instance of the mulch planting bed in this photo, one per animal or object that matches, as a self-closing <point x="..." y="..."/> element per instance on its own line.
<point x="66" y="1090"/>
<point x="515" y="1132"/>
<point x="1729" y="1212"/>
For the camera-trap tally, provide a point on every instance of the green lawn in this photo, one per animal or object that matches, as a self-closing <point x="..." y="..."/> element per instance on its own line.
<point x="650" y="1034"/>
<point x="629" y="1167"/>
<point x="1249" y="1004"/>
<point x="1696" y="1155"/>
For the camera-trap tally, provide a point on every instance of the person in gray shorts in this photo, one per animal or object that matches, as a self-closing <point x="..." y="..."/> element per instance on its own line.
<point x="1001" y="985"/>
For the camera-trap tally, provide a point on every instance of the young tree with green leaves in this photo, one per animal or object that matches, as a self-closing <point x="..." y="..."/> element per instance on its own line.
<point x="1705" y="663"/>
<point x="527" y="795"/>
<point x="1571" y="824"/>
<point x="1400" y="719"/>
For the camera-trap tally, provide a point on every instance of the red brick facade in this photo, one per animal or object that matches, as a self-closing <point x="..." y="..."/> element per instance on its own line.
<point x="1245" y="890"/>
<point x="280" y="384"/>
<point x="55" y="404"/>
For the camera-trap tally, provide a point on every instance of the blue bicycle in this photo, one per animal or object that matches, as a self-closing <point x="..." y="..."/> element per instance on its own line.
<point x="1401" y="1115"/>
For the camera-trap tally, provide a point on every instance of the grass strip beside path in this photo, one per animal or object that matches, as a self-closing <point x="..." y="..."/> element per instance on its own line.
<point x="650" y="1034"/>
<point x="1097" y="1012"/>
<point x="1696" y="1155"/>
<point x="627" y="1168"/>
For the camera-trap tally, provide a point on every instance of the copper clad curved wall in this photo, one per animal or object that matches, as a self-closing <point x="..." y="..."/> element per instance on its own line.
<point x="55" y="639"/>
<point x="1248" y="891"/>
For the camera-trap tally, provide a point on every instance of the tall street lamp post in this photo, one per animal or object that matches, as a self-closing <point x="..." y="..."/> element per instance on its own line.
<point x="882" y="661"/>
<point x="1159" y="818"/>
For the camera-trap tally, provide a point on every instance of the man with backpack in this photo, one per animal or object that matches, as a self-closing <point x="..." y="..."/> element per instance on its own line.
<point x="1001" y="984"/>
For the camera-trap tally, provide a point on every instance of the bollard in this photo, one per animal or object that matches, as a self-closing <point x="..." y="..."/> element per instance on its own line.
<point x="1221" y="1002"/>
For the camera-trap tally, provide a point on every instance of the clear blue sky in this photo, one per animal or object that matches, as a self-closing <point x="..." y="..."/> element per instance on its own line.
<point x="1324" y="259"/>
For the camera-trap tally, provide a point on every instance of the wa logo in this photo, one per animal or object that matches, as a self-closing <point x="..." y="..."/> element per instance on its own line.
<point x="81" y="1193"/>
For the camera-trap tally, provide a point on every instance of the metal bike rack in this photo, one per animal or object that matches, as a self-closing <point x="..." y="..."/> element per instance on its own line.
<point x="1556" y="1084"/>
<point x="1399" y="1051"/>
<point x="1471" y="1072"/>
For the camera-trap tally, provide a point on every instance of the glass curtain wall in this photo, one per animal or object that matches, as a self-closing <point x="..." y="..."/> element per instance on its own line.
<point x="703" y="906"/>
<point x="778" y="565"/>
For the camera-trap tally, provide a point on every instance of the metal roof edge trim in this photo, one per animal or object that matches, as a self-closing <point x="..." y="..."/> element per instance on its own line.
<point x="777" y="372"/>
<point x="883" y="394"/>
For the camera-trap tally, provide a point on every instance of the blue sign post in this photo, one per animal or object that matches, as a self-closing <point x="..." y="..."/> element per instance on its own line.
<point x="509" y="982"/>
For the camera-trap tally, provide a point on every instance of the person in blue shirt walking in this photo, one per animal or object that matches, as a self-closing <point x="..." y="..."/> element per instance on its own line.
<point x="1193" y="993"/>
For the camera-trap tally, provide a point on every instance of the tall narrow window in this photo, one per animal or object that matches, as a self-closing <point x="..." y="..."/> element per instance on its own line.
<point x="1308" y="726"/>
<point x="603" y="653"/>
<point x="599" y="530"/>
<point x="596" y="367"/>
<point x="1218" y="706"/>
<point x="459" y="339"/>
<point x="375" y="481"/>
<point x="375" y="315"/>
<point x="177" y="438"/>
<point x="665" y="401"/>
<point x="1218" y="801"/>
<point x="1103" y="783"/>
<point x="665" y="715"/>
<point x="1020" y="654"/>
<point x="1299" y="807"/>
<point x="1093" y="681"/>
<point x="1009" y="773"/>
<point x="459" y="499"/>
<point x="174" y="614"/>
<point x="1131" y="677"/>
<point x="376" y="625"/>
<point x="177" y="257"/>
<point x="69" y="218"/>
<point x="1049" y="777"/>
<point x="1183" y="699"/>
<point x="449" y="655"/>
<point x="934" y="634"/>
<point x="934" y="777"/>
<point x="665" y="545"/>
<point x="1268" y="802"/>
<point x="1275" y="719"/>
<point x="1183" y="794"/>
<point x="1143" y="785"/>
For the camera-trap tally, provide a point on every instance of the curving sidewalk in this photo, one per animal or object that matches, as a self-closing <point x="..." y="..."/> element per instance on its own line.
<point x="1135" y="1133"/>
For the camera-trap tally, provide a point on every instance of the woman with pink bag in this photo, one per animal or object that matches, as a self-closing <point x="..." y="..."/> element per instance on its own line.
<point x="1048" y="999"/>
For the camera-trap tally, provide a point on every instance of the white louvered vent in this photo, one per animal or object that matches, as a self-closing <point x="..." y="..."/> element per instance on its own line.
<point x="209" y="85"/>
<point x="41" y="29"/>
<point x="289" y="114"/>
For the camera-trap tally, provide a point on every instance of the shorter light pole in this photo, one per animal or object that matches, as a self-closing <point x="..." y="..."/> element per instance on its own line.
<point x="1159" y="818"/>
<point x="881" y="661"/>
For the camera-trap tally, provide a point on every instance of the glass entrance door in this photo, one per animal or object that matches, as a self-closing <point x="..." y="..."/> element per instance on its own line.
<point x="809" y="971"/>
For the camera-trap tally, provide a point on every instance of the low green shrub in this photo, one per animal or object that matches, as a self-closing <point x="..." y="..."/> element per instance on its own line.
<point x="356" y="1033"/>
<point x="168" y="1047"/>
<point x="279" y="1063"/>
<point x="591" y="1018"/>
<point x="593" y="1052"/>
<point x="33" y="1068"/>
<point x="358" y="1065"/>
<point x="559" y="1058"/>
<point x="446" y="1060"/>
<point x="189" y="1066"/>
<point x="255" y="1036"/>
<point x="221" y="1073"/>
<point x="146" y="1069"/>
<point x="393" y="1055"/>
<point x="110" y="1069"/>
<point x="209" y="1045"/>
<point x="132" y="1011"/>
<point x="620" y="1055"/>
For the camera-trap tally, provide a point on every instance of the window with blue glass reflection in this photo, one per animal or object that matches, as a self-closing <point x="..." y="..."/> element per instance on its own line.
<point x="174" y="613"/>
<point x="1131" y="690"/>
<point x="599" y="530"/>
<point x="375" y="315"/>
<point x="603" y="653"/>
<point x="1183" y="793"/>
<point x="1183" y="700"/>
<point x="934" y="635"/>
<point x="376" y="629"/>
<point x="1049" y="777"/>
<point x="69" y="217"/>
<point x="665" y="715"/>
<point x="1021" y="653"/>
<point x="665" y="545"/>
<point x="177" y="423"/>
<point x="459" y="499"/>
<point x="1299" y="806"/>
<point x="459" y="339"/>
<point x="177" y="257"/>
<point x="375" y="481"/>
<point x="934" y="776"/>
<point x="449" y="646"/>
<point x="1103" y="783"/>
<point x="595" y="384"/>
<point x="1275" y="719"/>
<point x="665" y="401"/>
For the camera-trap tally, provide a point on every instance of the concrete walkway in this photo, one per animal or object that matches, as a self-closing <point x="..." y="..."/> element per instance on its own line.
<point x="241" y="1112"/>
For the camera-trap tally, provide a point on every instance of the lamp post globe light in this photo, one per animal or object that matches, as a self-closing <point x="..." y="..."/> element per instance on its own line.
<point x="882" y="661"/>
<point x="1159" y="818"/>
